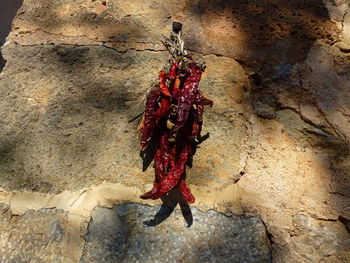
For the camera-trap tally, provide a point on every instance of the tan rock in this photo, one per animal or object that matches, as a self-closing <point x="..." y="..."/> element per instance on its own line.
<point x="346" y="26"/>
<point x="282" y="180"/>
<point x="237" y="29"/>
<point x="70" y="125"/>
<point x="329" y="84"/>
<point x="337" y="10"/>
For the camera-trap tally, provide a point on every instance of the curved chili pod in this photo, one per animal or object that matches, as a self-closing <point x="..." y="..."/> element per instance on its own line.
<point x="161" y="162"/>
<point x="163" y="109"/>
<point x="149" y="121"/>
<point x="167" y="183"/>
<point x="186" y="192"/>
<point x="175" y="173"/>
<point x="162" y="83"/>
<point x="188" y="95"/>
<point x="172" y="74"/>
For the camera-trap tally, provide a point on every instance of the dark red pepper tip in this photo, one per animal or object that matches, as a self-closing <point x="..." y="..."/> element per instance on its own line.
<point x="191" y="201"/>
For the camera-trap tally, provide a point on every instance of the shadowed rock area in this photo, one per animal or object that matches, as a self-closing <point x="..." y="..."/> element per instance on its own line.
<point x="8" y="10"/>
<point x="119" y="235"/>
<point x="239" y="29"/>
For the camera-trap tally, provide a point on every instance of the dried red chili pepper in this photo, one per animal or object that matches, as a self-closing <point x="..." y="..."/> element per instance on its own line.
<point x="174" y="110"/>
<point x="149" y="120"/>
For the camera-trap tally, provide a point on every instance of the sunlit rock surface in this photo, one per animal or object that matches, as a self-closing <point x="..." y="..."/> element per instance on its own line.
<point x="67" y="110"/>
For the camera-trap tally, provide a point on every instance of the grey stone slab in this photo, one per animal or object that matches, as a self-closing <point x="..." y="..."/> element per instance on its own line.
<point x="35" y="236"/>
<point x="125" y="234"/>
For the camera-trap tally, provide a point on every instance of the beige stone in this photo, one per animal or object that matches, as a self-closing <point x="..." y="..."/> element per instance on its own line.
<point x="282" y="180"/>
<point x="346" y="26"/>
<point x="237" y="29"/>
<point x="71" y="129"/>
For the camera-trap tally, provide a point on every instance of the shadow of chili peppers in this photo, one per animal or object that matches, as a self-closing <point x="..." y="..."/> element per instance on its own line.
<point x="170" y="201"/>
<point x="148" y="154"/>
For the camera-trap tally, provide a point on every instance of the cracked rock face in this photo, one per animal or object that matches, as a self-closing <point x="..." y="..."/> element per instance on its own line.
<point x="234" y="28"/>
<point x="339" y="13"/>
<point x="330" y="237"/>
<point x="120" y="235"/>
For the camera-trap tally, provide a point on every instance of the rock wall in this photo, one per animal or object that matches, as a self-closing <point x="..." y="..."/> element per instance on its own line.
<point x="278" y="73"/>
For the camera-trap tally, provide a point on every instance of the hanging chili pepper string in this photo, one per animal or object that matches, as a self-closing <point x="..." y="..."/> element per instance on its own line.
<point x="173" y="116"/>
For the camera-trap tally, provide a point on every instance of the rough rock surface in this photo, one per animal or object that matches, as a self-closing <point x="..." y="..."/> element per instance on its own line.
<point x="339" y="13"/>
<point x="233" y="28"/>
<point x="35" y="236"/>
<point x="65" y="118"/>
<point x="298" y="183"/>
<point x="123" y="234"/>
<point x="279" y="130"/>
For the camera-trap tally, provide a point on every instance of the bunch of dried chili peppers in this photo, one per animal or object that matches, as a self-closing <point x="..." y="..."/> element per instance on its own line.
<point x="173" y="115"/>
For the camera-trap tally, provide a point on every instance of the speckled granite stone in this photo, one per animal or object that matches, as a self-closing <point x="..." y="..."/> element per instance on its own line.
<point x="125" y="234"/>
<point x="35" y="236"/>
